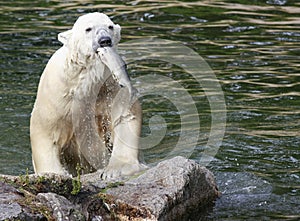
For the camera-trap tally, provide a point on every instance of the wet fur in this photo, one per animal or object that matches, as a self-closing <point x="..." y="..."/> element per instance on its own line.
<point x="74" y="117"/>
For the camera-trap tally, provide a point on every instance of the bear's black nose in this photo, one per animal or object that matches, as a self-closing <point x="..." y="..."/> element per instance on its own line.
<point x="105" y="41"/>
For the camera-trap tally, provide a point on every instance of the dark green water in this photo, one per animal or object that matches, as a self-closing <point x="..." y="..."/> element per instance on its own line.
<point x="253" y="48"/>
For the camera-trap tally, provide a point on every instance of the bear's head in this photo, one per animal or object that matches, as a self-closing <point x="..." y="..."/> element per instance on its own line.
<point x="90" y="32"/>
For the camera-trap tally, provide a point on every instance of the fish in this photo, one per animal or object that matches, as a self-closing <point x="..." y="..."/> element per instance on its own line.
<point x="111" y="58"/>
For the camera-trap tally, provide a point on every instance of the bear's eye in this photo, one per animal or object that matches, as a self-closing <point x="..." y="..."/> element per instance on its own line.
<point x="111" y="27"/>
<point x="88" y="29"/>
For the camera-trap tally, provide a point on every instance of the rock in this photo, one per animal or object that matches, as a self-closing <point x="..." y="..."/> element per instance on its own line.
<point x="62" y="209"/>
<point x="172" y="190"/>
<point x="13" y="206"/>
<point x="169" y="190"/>
<point x="8" y="196"/>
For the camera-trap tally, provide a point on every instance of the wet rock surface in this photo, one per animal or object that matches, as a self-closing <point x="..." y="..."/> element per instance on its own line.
<point x="172" y="190"/>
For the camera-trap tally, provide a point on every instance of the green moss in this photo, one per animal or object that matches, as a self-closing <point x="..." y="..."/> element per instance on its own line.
<point x="112" y="185"/>
<point x="40" y="179"/>
<point x="76" y="183"/>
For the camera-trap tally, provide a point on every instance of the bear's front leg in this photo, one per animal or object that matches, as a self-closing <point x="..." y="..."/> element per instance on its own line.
<point x="126" y="115"/>
<point x="124" y="160"/>
<point x="45" y="153"/>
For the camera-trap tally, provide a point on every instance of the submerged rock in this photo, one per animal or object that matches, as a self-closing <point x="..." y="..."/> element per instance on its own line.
<point x="171" y="190"/>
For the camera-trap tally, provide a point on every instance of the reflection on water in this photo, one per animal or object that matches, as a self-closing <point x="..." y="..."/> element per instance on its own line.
<point x="252" y="48"/>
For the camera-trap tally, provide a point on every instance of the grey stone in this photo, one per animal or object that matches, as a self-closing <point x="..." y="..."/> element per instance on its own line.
<point x="10" y="206"/>
<point x="10" y="210"/>
<point x="171" y="190"/>
<point x="62" y="209"/>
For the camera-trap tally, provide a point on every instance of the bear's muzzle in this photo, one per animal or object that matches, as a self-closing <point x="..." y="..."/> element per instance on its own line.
<point x="105" y="41"/>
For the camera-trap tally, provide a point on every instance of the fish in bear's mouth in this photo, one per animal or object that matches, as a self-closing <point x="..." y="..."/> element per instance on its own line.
<point x="117" y="66"/>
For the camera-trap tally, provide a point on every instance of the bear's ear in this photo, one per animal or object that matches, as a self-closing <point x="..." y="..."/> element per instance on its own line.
<point x="64" y="37"/>
<point x="117" y="33"/>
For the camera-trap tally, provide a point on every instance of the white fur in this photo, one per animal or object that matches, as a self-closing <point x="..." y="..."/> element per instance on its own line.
<point x="68" y="102"/>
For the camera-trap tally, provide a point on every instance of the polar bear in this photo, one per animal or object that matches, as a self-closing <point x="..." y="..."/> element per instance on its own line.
<point x="86" y="111"/>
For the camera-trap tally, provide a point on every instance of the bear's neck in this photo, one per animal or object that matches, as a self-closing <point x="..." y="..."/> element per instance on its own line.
<point x="86" y="78"/>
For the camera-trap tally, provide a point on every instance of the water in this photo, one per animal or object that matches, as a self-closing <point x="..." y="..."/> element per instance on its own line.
<point x="252" y="48"/>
